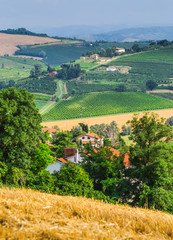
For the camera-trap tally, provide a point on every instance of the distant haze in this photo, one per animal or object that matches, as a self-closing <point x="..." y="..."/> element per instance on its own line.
<point x="47" y="14"/>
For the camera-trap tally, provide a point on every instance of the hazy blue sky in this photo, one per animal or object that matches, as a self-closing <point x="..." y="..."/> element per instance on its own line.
<point x="56" y="13"/>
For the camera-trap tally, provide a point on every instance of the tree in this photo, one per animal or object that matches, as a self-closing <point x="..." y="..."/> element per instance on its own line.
<point x="169" y="121"/>
<point x="62" y="140"/>
<point x="150" y="84"/>
<point x="151" y="155"/>
<point x="103" y="166"/>
<point x="19" y="127"/>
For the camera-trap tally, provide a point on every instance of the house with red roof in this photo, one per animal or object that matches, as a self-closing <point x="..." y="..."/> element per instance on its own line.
<point x="95" y="139"/>
<point x="50" y="131"/>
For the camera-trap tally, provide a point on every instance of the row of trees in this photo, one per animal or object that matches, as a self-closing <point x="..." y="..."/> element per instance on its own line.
<point x="24" y="157"/>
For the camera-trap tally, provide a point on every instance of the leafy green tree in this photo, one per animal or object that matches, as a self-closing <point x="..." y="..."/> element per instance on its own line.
<point x="150" y="84"/>
<point x="42" y="158"/>
<point x="102" y="164"/>
<point x="19" y="127"/>
<point x="151" y="156"/>
<point x="72" y="179"/>
<point x="62" y="140"/>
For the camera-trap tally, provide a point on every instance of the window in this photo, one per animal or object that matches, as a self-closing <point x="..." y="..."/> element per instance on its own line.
<point x="88" y="137"/>
<point x="83" y="137"/>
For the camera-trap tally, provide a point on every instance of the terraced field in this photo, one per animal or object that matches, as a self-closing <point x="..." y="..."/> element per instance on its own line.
<point x="98" y="104"/>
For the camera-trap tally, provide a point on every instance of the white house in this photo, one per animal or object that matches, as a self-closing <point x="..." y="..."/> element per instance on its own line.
<point x="120" y="50"/>
<point x="111" y="69"/>
<point x="95" y="140"/>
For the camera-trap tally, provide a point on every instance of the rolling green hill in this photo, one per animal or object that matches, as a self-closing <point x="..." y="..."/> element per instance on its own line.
<point x="98" y="104"/>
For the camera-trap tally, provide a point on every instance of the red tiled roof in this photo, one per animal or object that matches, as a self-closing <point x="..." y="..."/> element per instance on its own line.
<point x="62" y="160"/>
<point x="50" y="130"/>
<point x="117" y="153"/>
<point x="69" y="151"/>
<point x="84" y="142"/>
<point x="94" y="135"/>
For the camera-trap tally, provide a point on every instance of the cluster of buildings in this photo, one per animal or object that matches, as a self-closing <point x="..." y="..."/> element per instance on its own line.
<point x="75" y="155"/>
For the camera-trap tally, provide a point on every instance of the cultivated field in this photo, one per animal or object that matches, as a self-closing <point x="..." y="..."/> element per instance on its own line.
<point x="120" y="119"/>
<point x="108" y="103"/>
<point x="9" y="42"/>
<point x="12" y="68"/>
<point x="27" y="214"/>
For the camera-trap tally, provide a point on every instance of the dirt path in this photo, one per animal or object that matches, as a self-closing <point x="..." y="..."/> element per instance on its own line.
<point x="160" y="91"/>
<point x="119" y="118"/>
<point x="65" y="88"/>
<point x="47" y="107"/>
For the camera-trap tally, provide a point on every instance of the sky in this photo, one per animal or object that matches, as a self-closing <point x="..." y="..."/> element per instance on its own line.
<point x="58" y="13"/>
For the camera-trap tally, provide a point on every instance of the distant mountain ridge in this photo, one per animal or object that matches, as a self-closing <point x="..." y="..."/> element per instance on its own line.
<point x="135" y="34"/>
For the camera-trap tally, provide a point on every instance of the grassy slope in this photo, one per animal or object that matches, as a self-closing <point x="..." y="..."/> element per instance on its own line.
<point x="26" y="214"/>
<point x="105" y="104"/>
<point x="16" y="68"/>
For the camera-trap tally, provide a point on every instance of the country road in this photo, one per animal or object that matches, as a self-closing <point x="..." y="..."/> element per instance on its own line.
<point x="60" y="87"/>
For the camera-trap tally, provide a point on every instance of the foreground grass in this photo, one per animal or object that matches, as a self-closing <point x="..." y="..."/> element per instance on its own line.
<point x="27" y="214"/>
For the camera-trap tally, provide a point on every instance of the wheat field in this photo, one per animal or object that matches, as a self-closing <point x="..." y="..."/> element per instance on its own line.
<point x="28" y="214"/>
<point x="120" y="119"/>
<point x="9" y="42"/>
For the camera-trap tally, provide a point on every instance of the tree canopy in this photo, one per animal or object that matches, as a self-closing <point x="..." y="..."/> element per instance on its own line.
<point x="19" y="126"/>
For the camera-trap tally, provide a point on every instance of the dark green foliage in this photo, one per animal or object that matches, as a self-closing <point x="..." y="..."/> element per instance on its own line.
<point x="23" y="31"/>
<point x="126" y="130"/>
<point x="151" y="84"/>
<point x="84" y="127"/>
<point x="62" y="140"/>
<point x="169" y="121"/>
<point x="151" y="174"/>
<point x="46" y="85"/>
<point x="102" y="167"/>
<point x="19" y="127"/>
<point x="69" y="71"/>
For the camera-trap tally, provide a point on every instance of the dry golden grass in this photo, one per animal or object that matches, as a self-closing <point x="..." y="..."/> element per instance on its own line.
<point x="120" y="119"/>
<point x="8" y="42"/>
<point x="27" y="214"/>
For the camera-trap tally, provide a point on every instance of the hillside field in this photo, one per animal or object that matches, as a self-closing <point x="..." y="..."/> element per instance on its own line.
<point x="98" y="104"/>
<point x="9" y="42"/>
<point x="28" y="214"/>
<point x="120" y="119"/>
<point x="13" y="68"/>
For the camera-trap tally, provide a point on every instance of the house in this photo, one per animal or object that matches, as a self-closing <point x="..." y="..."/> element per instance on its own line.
<point x="52" y="74"/>
<point x="57" y="165"/>
<point x="117" y="153"/>
<point x="72" y="154"/>
<point x="50" y="131"/>
<point x="111" y="69"/>
<point x="120" y="50"/>
<point x="95" y="140"/>
<point x="94" y="56"/>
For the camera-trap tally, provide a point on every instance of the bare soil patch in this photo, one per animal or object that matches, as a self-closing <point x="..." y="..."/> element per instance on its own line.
<point x="9" y="42"/>
<point x="121" y="119"/>
<point x="160" y="91"/>
<point x="23" y="56"/>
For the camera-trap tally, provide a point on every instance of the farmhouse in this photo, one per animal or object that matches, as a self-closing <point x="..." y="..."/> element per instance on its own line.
<point x="94" y="56"/>
<point x="95" y="140"/>
<point x="120" y="50"/>
<point x="111" y="69"/>
<point x="52" y="74"/>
